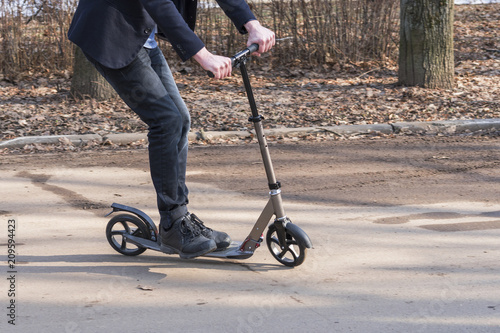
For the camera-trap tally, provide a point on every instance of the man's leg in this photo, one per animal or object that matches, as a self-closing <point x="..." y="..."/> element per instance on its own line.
<point x="141" y="87"/>
<point x="159" y="64"/>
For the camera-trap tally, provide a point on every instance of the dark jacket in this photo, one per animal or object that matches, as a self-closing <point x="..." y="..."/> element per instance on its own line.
<point x="113" y="31"/>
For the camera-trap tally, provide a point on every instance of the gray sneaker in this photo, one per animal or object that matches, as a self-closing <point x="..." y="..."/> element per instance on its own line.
<point x="186" y="239"/>
<point x="221" y="238"/>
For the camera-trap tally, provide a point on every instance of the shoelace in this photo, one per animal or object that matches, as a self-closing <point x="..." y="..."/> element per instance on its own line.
<point x="190" y="228"/>
<point x="200" y="224"/>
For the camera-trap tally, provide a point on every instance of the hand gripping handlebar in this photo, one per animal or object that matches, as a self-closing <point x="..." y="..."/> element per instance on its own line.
<point x="240" y="56"/>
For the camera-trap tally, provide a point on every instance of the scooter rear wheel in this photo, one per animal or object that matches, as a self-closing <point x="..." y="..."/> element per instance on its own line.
<point x="122" y="225"/>
<point x="292" y="253"/>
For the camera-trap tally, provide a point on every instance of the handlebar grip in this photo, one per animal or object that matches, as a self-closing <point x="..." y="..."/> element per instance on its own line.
<point x="251" y="49"/>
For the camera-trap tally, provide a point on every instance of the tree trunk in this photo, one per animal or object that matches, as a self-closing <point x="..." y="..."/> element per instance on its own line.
<point x="87" y="82"/>
<point x="426" y="44"/>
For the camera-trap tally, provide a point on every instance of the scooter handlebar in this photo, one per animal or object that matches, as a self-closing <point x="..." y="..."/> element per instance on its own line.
<point x="249" y="50"/>
<point x="244" y="53"/>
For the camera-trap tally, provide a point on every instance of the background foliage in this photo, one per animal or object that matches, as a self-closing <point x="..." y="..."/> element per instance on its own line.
<point x="311" y="32"/>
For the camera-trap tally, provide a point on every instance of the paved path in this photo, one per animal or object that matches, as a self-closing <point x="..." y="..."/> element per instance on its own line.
<point x="374" y="268"/>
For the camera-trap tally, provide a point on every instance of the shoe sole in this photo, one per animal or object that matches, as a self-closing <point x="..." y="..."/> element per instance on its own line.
<point x="170" y="250"/>
<point x="222" y="248"/>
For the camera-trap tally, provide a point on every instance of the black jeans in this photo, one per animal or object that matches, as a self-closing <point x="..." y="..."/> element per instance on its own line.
<point x="149" y="89"/>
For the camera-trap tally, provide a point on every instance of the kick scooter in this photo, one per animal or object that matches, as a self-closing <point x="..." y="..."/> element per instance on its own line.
<point x="133" y="232"/>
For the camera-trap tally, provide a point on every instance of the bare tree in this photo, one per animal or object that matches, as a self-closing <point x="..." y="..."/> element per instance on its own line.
<point x="426" y="45"/>
<point x="87" y="81"/>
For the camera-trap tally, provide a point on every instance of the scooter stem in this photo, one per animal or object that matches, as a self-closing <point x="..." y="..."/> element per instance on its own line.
<point x="256" y="119"/>
<point x="274" y="185"/>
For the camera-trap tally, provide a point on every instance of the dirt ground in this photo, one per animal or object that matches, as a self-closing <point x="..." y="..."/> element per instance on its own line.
<point x="379" y="171"/>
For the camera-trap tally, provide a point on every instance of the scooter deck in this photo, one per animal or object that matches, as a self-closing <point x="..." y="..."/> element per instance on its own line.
<point x="144" y="243"/>
<point x="231" y="252"/>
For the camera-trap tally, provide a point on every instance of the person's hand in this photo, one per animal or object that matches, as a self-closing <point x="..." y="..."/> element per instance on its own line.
<point x="260" y="35"/>
<point x="220" y="67"/>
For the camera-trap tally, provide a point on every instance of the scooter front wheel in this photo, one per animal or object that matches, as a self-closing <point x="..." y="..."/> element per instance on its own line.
<point x="292" y="253"/>
<point x="120" y="226"/>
